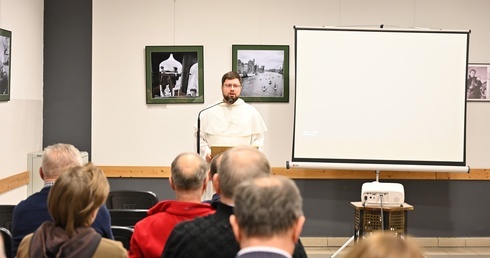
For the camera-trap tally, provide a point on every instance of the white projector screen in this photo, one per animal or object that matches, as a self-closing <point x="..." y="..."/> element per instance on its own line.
<point x="380" y="96"/>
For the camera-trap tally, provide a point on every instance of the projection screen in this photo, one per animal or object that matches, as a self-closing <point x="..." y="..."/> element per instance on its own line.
<point x="369" y="98"/>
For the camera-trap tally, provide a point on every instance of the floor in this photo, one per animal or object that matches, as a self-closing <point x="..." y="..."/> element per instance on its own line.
<point x="430" y="252"/>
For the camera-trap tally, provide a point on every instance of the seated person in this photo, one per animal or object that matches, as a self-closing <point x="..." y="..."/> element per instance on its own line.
<point x="268" y="217"/>
<point x="73" y="203"/>
<point x="188" y="179"/>
<point x="211" y="189"/>
<point x="30" y="213"/>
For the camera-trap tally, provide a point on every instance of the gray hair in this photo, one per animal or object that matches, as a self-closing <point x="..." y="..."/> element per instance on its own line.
<point x="59" y="157"/>
<point x="267" y="206"/>
<point x="239" y="164"/>
<point x="189" y="170"/>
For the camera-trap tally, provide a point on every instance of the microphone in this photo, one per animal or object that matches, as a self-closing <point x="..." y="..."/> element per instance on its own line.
<point x="198" y="136"/>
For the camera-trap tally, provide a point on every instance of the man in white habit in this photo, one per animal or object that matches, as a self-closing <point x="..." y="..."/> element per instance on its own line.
<point x="231" y="122"/>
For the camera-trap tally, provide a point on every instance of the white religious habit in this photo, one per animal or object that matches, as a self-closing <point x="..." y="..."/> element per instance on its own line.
<point x="231" y="125"/>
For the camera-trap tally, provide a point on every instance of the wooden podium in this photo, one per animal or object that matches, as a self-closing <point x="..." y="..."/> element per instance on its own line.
<point x="217" y="149"/>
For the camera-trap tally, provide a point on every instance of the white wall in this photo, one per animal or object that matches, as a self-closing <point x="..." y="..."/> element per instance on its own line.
<point x="126" y="131"/>
<point x="21" y="117"/>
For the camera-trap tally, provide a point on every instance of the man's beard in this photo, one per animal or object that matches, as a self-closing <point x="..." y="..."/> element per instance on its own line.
<point x="230" y="100"/>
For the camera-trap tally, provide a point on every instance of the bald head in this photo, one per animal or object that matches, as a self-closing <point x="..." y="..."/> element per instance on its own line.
<point x="188" y="171"/>
<point x="239" y="164"/>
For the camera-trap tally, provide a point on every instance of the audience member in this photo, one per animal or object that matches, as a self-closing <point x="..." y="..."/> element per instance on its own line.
<point x="31" y="213"/>
<point x="268" y="217"/>
<point x="188" y="180"/>
<point x="210" y="194"/>
<point x="73" y="203"/>
<point x="385" y="245"/>
<point x="212" y="236"/>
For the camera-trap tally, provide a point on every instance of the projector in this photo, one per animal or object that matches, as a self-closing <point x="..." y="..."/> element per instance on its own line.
<point x="390" y="194"/>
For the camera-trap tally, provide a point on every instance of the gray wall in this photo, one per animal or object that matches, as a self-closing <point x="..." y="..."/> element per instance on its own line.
<point x="67" y="73"/>
<point x="442" y="208"/>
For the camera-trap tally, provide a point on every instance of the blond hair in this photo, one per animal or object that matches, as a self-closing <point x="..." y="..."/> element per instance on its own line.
<point x="385" y="245"/>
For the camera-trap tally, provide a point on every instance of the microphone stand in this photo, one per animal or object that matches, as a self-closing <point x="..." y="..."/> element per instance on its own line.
<point x="198" y="136"/>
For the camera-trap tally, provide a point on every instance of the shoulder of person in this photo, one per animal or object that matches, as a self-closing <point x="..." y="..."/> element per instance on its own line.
<point x="110" y="248"/>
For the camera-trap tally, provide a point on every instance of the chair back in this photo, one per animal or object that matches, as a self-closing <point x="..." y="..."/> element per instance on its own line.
<point x="126" y="217"/>
<point x="129" y="199"/>
<point x="6" y="212"/>
<point x="122" y="234"/>
<point x="7" y="241"/>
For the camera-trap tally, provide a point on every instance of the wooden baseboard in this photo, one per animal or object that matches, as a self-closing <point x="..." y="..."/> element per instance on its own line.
<point x="17" y="180"/>
<point x="164" y="172"/>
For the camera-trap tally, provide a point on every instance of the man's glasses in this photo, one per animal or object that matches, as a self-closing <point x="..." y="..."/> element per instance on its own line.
<point x="229" y="86"/>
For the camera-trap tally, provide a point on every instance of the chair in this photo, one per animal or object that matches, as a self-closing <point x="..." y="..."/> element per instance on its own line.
<point x="128" y="199"/>
<point x="6" y="212"/>
<point x="122" y="234"/>
<point x="7" y="241"/>
<point x="126" y="217"/>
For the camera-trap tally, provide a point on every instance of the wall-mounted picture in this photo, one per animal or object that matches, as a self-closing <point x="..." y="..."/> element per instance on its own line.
<point x="174" y="74"/>
<point x="264" y="70"/>
<point x="477" y="82"/>
<point x="5" y="50"/>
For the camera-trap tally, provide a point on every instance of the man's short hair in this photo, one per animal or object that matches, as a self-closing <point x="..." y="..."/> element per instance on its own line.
<point x="239" y="164"/>
<point x="230" y="76"/>
<point x="189" y="171"/>
<point x="213" y="166"/>
<point x="59" y="157"/>
<point x="267" y="206"/>
<point x="76" y="195"/>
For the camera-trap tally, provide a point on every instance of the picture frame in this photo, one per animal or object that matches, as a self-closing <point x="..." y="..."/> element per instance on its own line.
<point x="477" y="82"/>
<point x="264" y="70"/>
<point x="5" y="64"/>
<point x="174" y="74"/>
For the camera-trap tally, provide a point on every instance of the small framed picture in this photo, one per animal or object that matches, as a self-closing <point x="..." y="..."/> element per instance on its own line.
<point x="264" y="70"/>
<point x="477" y="82"/>
<point x="174" y="74"/>
<point x="5" y="51"/>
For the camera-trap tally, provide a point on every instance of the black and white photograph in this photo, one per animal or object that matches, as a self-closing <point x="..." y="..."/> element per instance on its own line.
<point x="174" y="74"/>
<point x="264" y="71"/>
<point x="5" y="50"/>
<point x="477" y="82"/>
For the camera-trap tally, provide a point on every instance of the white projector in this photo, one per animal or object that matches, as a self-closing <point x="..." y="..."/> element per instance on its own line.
<point x="383" y="193"/>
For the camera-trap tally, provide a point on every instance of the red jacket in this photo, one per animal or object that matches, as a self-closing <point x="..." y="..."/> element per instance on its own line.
<point x="151" y="233"/>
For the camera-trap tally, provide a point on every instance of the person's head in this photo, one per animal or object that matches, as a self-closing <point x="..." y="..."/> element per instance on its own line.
<point x="472" y="72"/>
<point x="213" y="166"/>
<point x="77" y="196"/>
<point x="268" y="208"/>
<point x="231" y="86"/>
<point x="189" y="173"/>
<point x="237" y="165"/>
<point x="385" y="245"/>
<point x="57" y="158"/>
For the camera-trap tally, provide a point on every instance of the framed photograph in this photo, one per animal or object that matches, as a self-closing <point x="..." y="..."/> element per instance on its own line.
<point x="477" y="82"/>
<point x="264" y="70"/>
<point x="5" y="51"/>
<point x="174" y="74"/>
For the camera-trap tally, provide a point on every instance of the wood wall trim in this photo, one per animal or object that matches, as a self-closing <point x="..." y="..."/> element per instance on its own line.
<point x="164" y="172"/>
<point x="18" y="180"/>
<point x="12" y="182"/>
